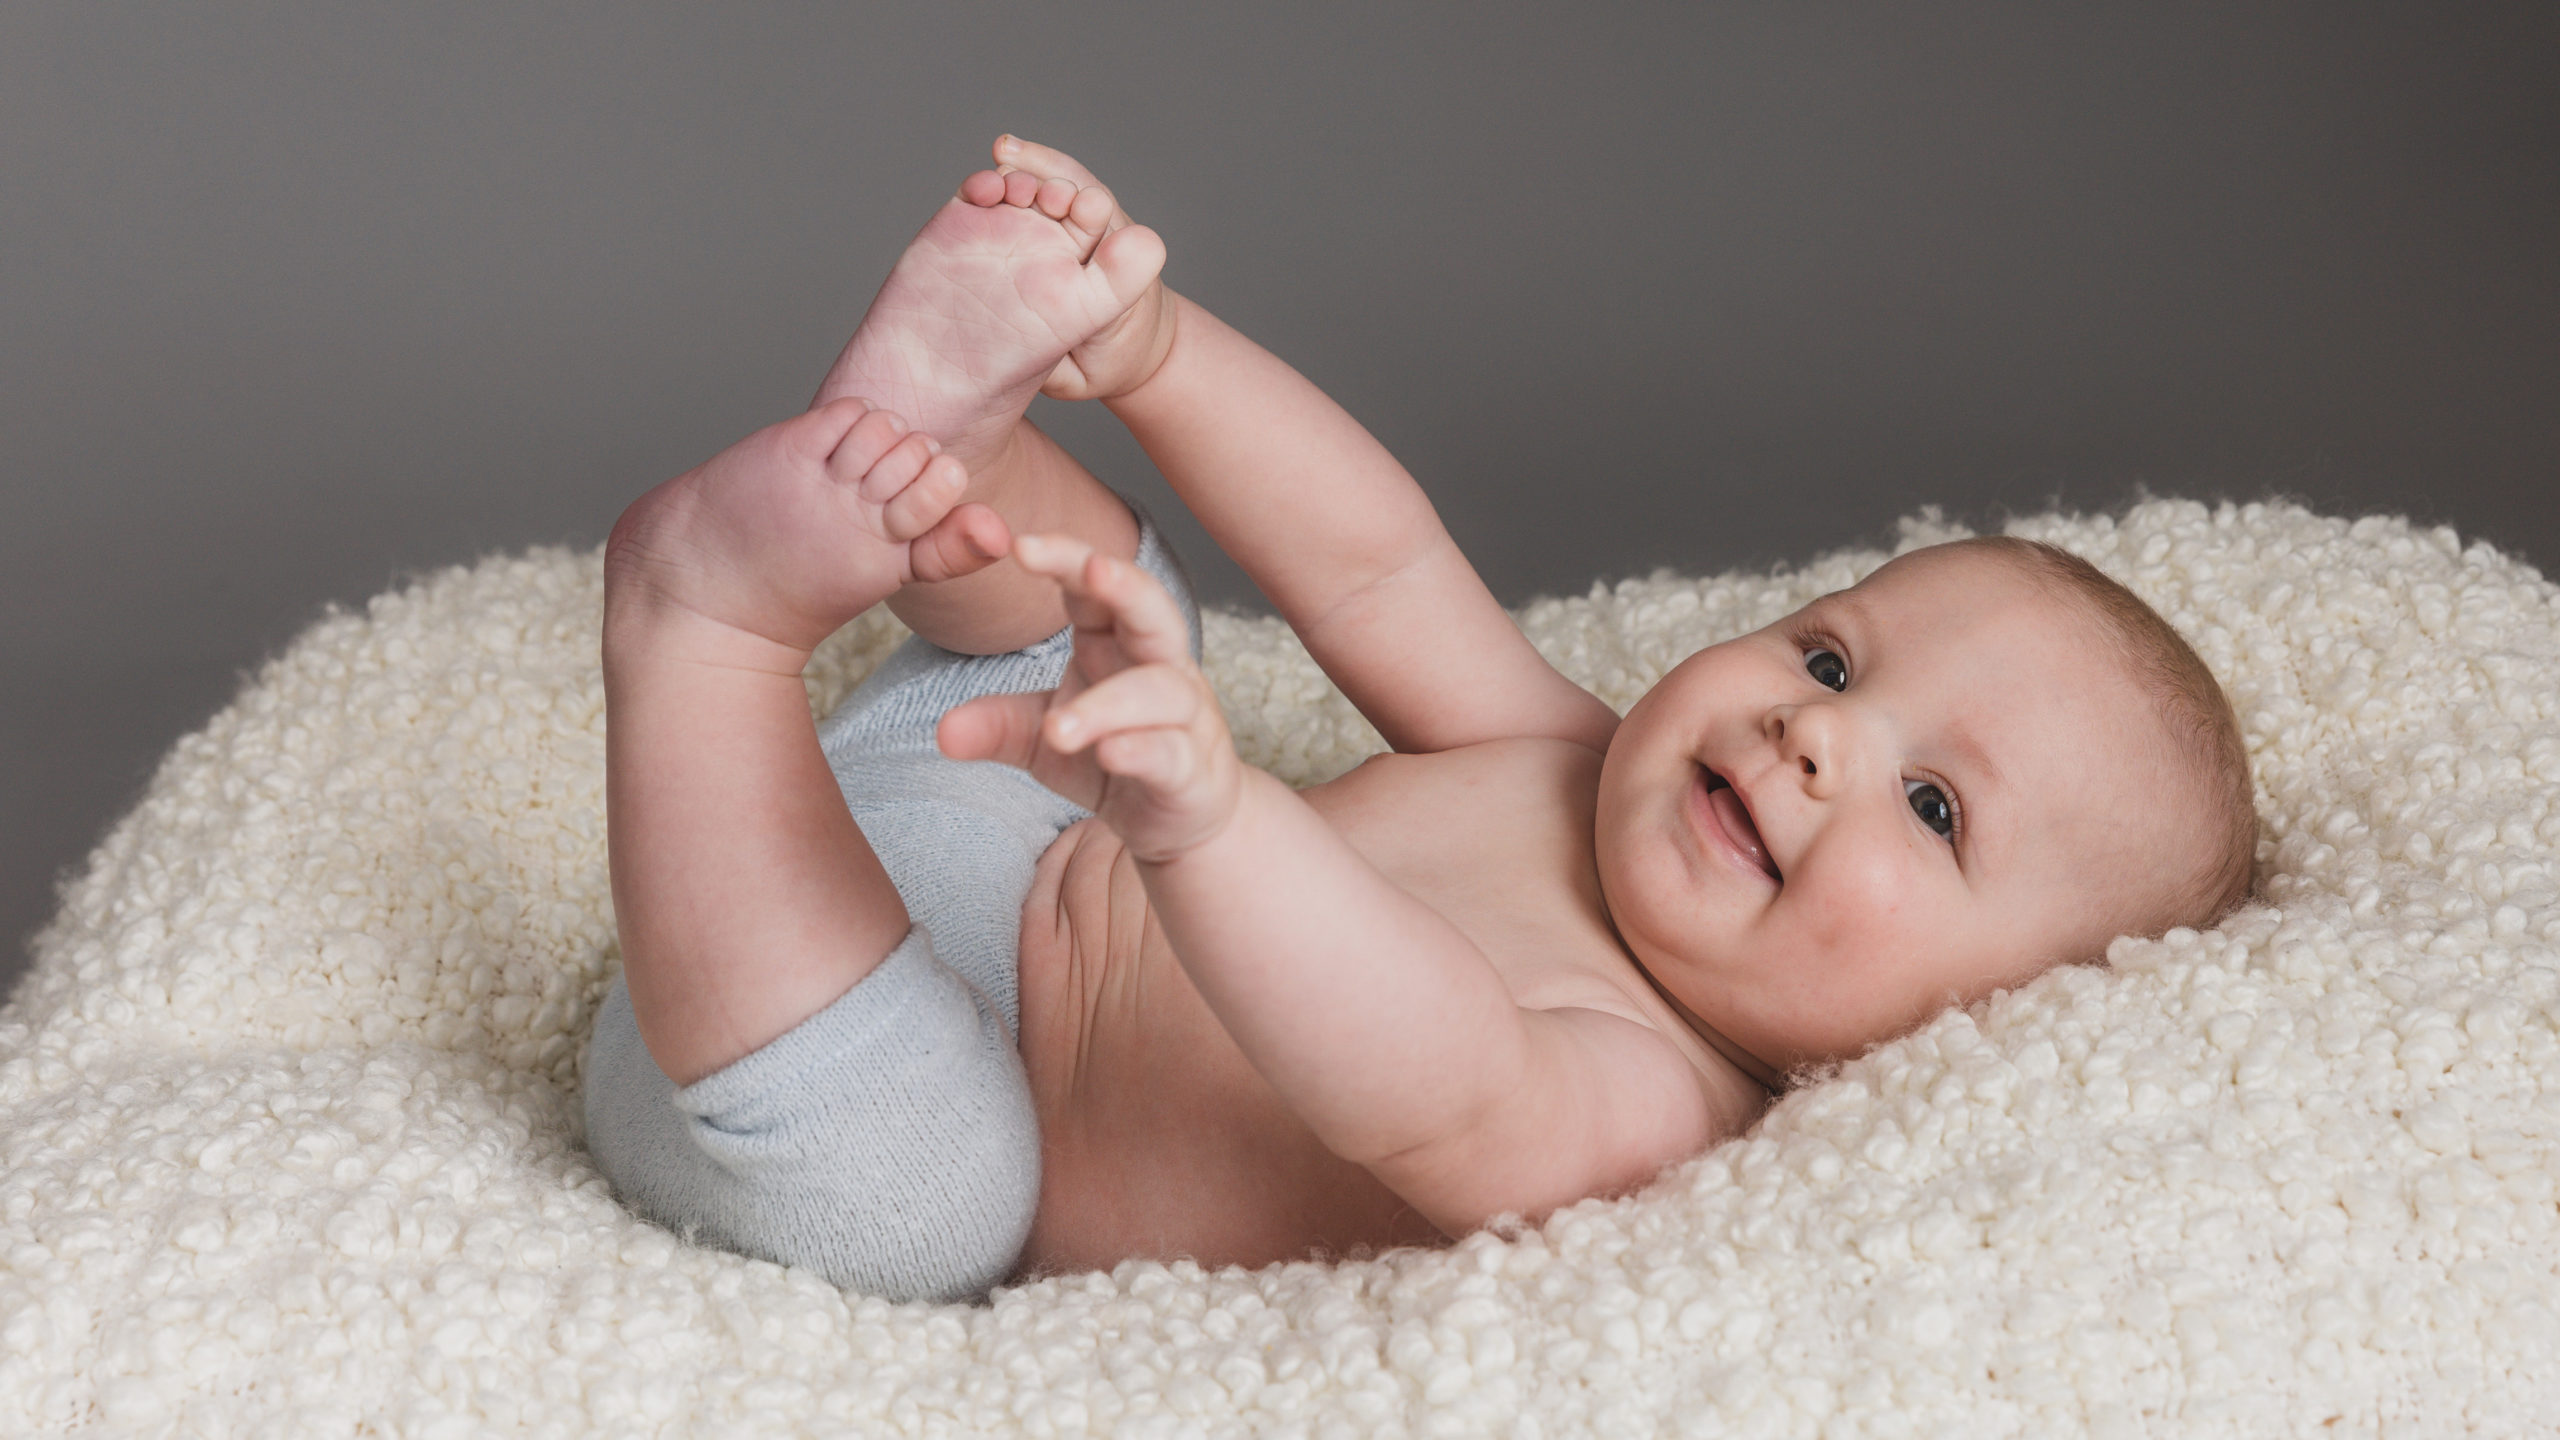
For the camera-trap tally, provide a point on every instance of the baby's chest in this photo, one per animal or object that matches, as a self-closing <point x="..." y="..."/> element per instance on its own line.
<point x="1496" y="839"/>
<point x="1498" y="844"/>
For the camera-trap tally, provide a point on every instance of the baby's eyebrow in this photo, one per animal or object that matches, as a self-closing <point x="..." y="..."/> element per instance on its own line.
<point x="1857" y="605"/>
<point x="1976" y="760"/>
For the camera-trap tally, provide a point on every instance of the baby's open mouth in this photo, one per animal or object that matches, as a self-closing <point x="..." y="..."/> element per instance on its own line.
<point x="1731" y="813"/>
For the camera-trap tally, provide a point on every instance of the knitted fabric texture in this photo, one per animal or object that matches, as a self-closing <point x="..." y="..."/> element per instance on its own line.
<point x="289" y="1124"/>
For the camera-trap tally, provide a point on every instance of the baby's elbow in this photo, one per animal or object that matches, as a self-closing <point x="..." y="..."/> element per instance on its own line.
<point x="1473" y="1174"/>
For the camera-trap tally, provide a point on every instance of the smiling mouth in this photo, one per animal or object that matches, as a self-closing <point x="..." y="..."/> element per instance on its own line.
<point x="1725" y="803"/>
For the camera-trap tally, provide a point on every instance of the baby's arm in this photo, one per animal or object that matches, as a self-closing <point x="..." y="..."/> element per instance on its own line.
<point x="1347" y="546"/>
<point x="1322" y="518"/>
<point x="1379" y="1022"/>
<point x="1394" y="1038"/>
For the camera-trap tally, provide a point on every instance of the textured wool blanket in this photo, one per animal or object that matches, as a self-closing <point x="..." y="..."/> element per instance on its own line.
<point x="289" y="1129"/>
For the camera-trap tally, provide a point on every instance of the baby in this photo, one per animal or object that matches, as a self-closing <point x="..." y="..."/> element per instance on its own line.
<point x="923" y="1022"/>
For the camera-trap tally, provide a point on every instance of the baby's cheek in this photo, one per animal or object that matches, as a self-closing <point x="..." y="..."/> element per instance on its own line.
<point x="1638" y="880"/>
<point x="1862" y="910"/>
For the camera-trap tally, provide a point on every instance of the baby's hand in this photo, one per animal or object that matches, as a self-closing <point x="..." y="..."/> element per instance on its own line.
<point x="1132" y="732"/>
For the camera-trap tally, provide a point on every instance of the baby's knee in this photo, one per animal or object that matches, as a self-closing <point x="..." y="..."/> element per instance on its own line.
<point x="903" y="1162"/>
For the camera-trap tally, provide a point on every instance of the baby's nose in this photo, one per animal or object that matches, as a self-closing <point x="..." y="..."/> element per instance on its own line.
<point x="1807" y="736"/>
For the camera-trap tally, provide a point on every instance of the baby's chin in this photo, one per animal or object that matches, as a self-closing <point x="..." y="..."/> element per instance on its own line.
<point x="1760" y="1035"/>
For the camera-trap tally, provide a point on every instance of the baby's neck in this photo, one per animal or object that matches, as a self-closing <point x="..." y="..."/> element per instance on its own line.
<point x="1744" y="1063"/>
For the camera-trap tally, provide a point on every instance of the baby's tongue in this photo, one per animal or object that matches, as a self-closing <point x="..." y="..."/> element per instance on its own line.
<point x="1737" y="823"/>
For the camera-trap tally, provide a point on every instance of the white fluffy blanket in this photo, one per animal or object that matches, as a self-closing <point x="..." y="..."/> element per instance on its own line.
<point x="289" y="1137"/>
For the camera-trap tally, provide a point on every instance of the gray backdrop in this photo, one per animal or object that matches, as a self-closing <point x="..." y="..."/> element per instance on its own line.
<point x="298" y="300"/>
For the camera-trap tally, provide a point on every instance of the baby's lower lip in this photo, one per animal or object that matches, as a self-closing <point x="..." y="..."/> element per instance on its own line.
<point x="1736" y="837"/>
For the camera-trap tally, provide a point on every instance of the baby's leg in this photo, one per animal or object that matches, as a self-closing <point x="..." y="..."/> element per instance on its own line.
<point x="1007" y="278"/>
<point x="889" y="1141"/>
<point x="895" y="1151"/>
<point x="849" y="1101"/>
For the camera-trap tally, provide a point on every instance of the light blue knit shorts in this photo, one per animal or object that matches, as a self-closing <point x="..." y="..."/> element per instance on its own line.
<point x="887" y="1142"/>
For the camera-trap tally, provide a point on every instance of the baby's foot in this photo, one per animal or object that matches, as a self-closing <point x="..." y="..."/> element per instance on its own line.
<point x="1002" y="284"/>
<point x="1119" y="357"/>
<point x="798" y="528"/>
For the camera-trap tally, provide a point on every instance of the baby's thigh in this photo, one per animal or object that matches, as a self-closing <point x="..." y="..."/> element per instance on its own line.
<point x="888" y="1142"/>
<point x="962" y="850"/>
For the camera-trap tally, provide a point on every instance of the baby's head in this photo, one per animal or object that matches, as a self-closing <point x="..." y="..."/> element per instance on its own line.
<point x="1984" y="759"/>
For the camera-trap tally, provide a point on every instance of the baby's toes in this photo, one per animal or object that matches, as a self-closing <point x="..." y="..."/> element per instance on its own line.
<point x="969" y="538"/>
<point x="872" y="436"/>
<point x="897" y="467"/>
<point x="1054" y="197"/>
<point x="1021" y="154"/>
<point x="921" y="504"/>
<point x="1091" y="215"/>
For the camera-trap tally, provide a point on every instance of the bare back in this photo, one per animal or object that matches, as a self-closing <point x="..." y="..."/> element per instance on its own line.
<point x="1160" y="1139"/>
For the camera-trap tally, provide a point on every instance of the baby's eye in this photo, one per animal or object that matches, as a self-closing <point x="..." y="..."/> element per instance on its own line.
<point x="1932" y="806"/>
<point x="1827" y="667"/>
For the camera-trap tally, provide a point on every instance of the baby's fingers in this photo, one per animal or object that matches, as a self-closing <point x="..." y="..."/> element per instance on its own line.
<point x="1166" y="773"/>
<point x="1164" y="760"/>
<point x="1111" y="595"/>
<point x="1146" y="698"/>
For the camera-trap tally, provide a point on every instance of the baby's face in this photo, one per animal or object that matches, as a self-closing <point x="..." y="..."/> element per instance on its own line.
<point x="1905" y="795"/>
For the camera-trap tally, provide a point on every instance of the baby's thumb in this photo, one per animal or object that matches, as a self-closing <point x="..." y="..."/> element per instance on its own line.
<point x="1002" y="728"/>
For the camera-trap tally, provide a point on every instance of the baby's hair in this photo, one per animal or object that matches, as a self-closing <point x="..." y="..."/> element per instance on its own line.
<point x="2193" y="711"/>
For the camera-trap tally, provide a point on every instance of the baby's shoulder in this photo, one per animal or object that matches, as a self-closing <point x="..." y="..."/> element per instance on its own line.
<point x="1546" y="751"/>
<point x="1539" y="761"/>
<point x="1520" y="767"/>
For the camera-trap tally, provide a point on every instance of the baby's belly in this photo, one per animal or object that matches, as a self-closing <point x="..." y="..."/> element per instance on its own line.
<point x="1158" y="1139"/>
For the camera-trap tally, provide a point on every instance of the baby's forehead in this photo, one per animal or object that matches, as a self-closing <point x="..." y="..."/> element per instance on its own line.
<point x="2002" y="571"/>
<point x="1967" y="597"/>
